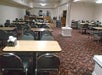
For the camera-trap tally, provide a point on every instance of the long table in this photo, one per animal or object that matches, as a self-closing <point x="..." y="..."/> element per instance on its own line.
<point x="98" y="28"/>
<point x="39" y="30"/>
<point x="7" y="28"/>
<point x="34" y="46"/>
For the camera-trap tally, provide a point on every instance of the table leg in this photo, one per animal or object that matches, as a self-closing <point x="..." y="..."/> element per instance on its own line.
<point x="39" y="35"/>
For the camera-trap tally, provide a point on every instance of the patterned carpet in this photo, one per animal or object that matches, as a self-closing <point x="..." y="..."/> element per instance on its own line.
<point x="77" y="52"/>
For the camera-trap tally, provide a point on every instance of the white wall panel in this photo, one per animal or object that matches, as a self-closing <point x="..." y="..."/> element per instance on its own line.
<point x="98" y="12"/>
<point x="36" y="10"/>
<point x="11" y="13"/>
<point x="82" y="11"/>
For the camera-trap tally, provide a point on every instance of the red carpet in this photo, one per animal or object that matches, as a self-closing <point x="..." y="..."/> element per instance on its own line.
<point x="77" y="52"/>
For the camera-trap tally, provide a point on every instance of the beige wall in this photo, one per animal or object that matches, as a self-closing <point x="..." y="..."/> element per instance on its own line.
<point x="98" y="12"/>
<point x="82" y="11"/>
<point x="7" y="12"/>
<point x="36" y="10"/>
<point x="61" y="9"/>
<point x="79" y="11"/>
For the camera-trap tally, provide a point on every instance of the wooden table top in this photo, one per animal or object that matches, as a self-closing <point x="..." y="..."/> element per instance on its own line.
<point x="90" y="24"/>
<point x="7" y="28"/>
<point x="41" y="29"/>
<point x="34" y="46"/>
<point x="82" y="23"/>
<point x="98" y="28"/>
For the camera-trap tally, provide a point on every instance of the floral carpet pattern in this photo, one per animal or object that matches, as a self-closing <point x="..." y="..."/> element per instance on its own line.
<point x="77" y="52"/>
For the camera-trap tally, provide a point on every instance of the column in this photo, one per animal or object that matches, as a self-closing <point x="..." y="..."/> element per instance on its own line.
<point x="66" y="31"/>
<point x="68" y="14"/>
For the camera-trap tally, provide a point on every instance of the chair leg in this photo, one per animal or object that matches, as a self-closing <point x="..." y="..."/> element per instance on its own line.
<point x="59" y="73"/>
<point x="35" y="71"/>
<point x="26" y="73"/>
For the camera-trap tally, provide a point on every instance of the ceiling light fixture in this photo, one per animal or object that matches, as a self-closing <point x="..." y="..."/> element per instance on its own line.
<point x="76" y="0"/>
<point x="43" y="4"/>
<point x="99" y="1"/>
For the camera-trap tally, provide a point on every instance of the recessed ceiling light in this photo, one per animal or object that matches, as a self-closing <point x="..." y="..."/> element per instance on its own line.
<point x="76" y="0"/>
<point x="43" y="4"/>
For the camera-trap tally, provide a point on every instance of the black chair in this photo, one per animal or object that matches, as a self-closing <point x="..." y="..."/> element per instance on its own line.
<point x="97" y="36"/>
<point x="19" y="30"/>
<point x="46" y="35"/>
<point x="3" y="38"/>
<point x="1" y="25"/>
<point x="74" y="24"/>
<point x="48" y="63"/>
<point x="84" y="28"/>
<point x="45" y="26"/>
<point x="34" y="26"/>
<point x="28" y="61"/>
<point x="11" y="64"/>
<point x="28" y="35"/>
<point x="7" y="23"/>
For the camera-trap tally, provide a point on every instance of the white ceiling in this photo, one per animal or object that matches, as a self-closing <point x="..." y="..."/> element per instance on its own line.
<point x="46" y="1"/>
<point x="54" y="3"/>
<point x="50" y="3"/>
<point x="36" y="3"/>
<point x="57" y="1"/>
<point x="87" y="0"/>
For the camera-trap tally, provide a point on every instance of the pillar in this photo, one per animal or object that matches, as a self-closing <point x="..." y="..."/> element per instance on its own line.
<point x="66" y="31"/>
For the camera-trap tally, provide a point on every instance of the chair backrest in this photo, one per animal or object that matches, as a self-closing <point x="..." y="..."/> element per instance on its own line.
<point x="44" y="26"/>
<point x="48" y="61"/>
<point x="10" y="62"/>
<point x="47" y="35"/>
<point x="34" y="26"/>
<point x="26" y="27"/>
<point x="46" y="32"/>
<point x="85" y="26"/>
<point x="7" y="23"/>
<point x="19" y="27"/>
<point x="28" y="36"/>
<point x="3" y="38"/>
<point x="3" y="35"/>
<point x="1" y="25"/>
<point x="24" y="54"/>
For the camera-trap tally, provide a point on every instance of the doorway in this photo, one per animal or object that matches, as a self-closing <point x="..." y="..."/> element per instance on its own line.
<point x="63" y="18"/>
